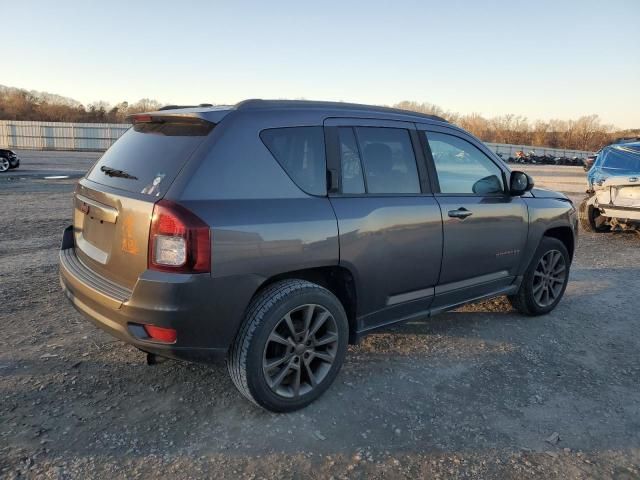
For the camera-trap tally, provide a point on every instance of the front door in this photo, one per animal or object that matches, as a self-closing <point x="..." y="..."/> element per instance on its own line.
<point x="484" y="228"/>
<point x="389" y="222"/>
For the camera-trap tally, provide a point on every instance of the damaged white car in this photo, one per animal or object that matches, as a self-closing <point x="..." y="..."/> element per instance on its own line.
<point x="613" y="201"/>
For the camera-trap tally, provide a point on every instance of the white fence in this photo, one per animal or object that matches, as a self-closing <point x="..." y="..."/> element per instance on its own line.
<point x="100" y="136"/>
<point x="59" y="135"/>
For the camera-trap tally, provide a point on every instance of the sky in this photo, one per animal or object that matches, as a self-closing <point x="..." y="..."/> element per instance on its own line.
<point x="540" y="59"/>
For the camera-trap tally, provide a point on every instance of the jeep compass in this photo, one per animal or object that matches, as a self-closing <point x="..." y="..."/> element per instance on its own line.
<point x="275" y="233"/>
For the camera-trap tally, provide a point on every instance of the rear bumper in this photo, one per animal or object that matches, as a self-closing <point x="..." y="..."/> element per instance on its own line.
<point x="614" y="211"/>
<point x="161" y="299"/>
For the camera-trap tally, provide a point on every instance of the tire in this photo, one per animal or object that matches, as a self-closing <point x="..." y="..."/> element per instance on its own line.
<point x="265" y="370"/>
<point x="529" y="300"/>
<point x="588" y="217"/>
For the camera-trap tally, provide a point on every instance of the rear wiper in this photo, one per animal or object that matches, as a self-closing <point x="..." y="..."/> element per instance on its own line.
<point x="112" y="172"/>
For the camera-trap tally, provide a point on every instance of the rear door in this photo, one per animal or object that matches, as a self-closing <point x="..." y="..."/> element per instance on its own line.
<point x="389" y="223"/>
<point x="484" y="228"/>
<point x="114" y="203"/>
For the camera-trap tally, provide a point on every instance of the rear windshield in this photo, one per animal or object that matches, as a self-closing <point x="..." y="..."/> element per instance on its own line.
<point x="148" y="157"/>
<point x="621" y="158"/>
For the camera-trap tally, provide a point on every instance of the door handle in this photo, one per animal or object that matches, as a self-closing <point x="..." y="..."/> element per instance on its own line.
<point x="460" y="213"/>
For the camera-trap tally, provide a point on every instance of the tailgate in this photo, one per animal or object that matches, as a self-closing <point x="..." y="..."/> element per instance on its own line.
<point x="111" y="233"/>
<point x="626" y="196"/>
<point x="113" y="205"/>
<point x="619" y="195"/>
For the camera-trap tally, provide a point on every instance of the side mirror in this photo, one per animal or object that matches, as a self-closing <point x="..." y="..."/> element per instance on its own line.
<point x="487" y="185"/>
<point x="520" y="183"/>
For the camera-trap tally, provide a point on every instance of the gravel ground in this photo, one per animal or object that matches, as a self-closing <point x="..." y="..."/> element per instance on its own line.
<point x="481" y="392"/>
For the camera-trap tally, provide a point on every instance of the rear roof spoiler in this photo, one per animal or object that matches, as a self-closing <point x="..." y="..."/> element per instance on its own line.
<point x="175" y="107"/>
<point x="206" y="113"/>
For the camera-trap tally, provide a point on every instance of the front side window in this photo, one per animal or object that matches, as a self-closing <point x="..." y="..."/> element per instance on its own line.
<point x="300" y="152"/>
<point x="386" y="157"/>
<point x="462" y="168"/>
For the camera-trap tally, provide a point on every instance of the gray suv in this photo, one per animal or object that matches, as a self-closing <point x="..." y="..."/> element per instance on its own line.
<point x="274" y="233"/>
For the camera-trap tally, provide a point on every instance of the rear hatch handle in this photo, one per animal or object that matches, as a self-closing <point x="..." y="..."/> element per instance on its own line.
<point x="95" y="209"/>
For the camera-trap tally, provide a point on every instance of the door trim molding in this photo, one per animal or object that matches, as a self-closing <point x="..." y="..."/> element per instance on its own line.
<point x="471" y="282"/>
<point x="410" y="296"/>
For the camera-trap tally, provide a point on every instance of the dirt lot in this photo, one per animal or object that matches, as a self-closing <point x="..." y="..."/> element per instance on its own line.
<point x="478" y="392"/>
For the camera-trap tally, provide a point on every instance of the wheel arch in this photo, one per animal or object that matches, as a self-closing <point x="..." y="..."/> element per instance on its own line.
<point x="565" y="235"/>
<point x="335" y="278"/>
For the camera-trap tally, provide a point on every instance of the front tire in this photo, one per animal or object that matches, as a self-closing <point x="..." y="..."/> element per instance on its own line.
<point x="290" y="347"/>
<point x="545" y="280"/>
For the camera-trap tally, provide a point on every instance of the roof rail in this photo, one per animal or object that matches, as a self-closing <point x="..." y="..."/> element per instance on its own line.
<point x="257" y="103"/>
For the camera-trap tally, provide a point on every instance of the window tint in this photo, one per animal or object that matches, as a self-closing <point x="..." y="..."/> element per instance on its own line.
<point x="148" y="157"/>
<point x="388" y="160"/>
<point x="352" y="181"/>
<point x="462" y="167"/>
<point x="300" y="151"/>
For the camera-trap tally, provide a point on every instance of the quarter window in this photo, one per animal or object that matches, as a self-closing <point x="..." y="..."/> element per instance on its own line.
<point x="462" y="168"/>
<point x="300" y="151"/>
<point x="384" y="154"/>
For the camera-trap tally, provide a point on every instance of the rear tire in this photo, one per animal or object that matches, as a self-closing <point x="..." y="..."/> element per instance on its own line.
<point x="290" y="347"/>
<point x="545" y="280"/>
<point x="590" y="218"/>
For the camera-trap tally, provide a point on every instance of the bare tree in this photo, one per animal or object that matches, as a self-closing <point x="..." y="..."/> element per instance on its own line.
<point x="585" y="133"/>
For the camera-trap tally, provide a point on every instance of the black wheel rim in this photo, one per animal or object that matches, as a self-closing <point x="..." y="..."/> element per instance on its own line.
<point x="300" y="351"/>
<point x="549" y="278"/>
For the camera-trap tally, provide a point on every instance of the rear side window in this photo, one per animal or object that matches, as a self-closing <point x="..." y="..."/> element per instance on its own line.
<point x="300" y="152"/>
<point x="350" y="164"/>
<point x="148" y="157"/>
<point x="384" y="154"/>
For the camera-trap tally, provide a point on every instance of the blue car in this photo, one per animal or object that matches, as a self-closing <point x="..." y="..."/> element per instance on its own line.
<point x="613" y="201"/>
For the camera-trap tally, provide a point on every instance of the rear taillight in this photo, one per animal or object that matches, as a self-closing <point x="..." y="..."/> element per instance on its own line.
<point x="179" y="241"/>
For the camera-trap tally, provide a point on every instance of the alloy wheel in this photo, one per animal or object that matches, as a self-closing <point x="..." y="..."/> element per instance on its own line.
<point x="549" y="278"/>
<point x="300" y="351"/>
<point x="4" y="164"/>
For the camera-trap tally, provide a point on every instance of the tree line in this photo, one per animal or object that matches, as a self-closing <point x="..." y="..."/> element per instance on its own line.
<point x="18" y="104"/>
<point x="585" y="133"/>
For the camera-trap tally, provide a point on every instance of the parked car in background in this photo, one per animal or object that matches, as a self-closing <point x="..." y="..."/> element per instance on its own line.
<point x="274" y="233"/>
<point x="8" y="160"/>
<point x="613" y="195"/>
